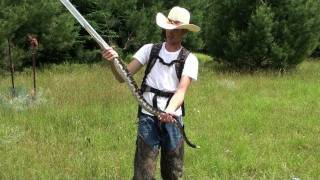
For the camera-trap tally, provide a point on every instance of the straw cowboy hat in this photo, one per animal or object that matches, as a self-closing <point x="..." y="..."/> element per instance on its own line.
<point x="178" y="18"/>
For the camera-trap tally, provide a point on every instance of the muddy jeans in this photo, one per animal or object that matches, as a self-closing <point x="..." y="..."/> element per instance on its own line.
<point x="152" y="137"/>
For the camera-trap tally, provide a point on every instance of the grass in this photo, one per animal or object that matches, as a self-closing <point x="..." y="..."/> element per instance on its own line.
<point x="83" y="125"/>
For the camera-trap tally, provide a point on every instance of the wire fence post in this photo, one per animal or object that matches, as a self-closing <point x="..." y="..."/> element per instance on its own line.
<point x="13" y="91"/>
<point x="34" y="45"/>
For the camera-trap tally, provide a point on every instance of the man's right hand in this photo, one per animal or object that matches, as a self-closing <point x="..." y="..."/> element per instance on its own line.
<point x="166" y="117"/>
<point x="109" y="54"/>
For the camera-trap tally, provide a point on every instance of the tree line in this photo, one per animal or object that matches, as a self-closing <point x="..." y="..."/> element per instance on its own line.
<point x="241" y="34"/>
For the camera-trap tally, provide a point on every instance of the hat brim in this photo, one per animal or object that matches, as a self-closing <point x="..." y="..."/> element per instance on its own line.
<point x="163" y="22"/>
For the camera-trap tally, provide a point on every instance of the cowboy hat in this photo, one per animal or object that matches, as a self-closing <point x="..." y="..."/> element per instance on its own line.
<point x="178" y="18"/>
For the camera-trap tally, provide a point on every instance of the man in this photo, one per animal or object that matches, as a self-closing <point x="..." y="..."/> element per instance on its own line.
<point x="170" y="71"/>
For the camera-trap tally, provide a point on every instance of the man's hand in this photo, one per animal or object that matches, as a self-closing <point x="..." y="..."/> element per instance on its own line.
<point x="109" y="54"/>
<point x="166" y="118"/>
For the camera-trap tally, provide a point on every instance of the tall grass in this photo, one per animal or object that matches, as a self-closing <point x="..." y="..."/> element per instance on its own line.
<point x="249" y="126"/>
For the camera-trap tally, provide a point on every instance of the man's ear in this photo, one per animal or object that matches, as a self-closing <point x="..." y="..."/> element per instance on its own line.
<point x="163" y="34"/>
<point x="185" y="31"/>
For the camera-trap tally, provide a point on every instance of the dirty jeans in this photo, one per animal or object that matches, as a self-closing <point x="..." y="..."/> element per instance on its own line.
<point x="152" y="137"/>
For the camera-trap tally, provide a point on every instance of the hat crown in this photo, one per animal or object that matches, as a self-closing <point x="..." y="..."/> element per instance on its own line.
<point x="179" y="14"/>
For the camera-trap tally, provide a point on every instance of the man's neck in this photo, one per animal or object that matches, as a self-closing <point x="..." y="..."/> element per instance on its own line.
<point x="172" y="47"/>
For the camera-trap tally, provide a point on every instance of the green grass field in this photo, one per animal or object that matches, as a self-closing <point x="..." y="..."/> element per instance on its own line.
<point x="83" y="125"/>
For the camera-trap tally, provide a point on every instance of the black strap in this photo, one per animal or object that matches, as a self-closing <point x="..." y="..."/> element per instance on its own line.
<point x="155" y="101"/>
<point x="183" y="55"/>
<point x="146" y="88"/>
<point x="167" y="64"/>
<point x="155" y="50"/>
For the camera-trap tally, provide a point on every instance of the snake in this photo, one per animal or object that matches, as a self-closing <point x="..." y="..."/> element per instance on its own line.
<point x="122" y="70"/>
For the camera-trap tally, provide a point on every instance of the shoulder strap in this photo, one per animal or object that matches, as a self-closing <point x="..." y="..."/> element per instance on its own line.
<point x="154" y="55"/>
<point x="183" y="55"/>
<point x="155" y="50"/>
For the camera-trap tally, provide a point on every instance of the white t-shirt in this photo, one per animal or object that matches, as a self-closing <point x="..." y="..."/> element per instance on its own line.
<point x="164" y="77"/>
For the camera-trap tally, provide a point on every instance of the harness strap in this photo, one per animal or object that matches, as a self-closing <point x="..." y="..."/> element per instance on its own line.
<point x="184" y="53"/>
<point x="157" y="93"/>
<point x="146" y="88"/>
<point x="167" y="64"/>
<point x="179" y="65"/>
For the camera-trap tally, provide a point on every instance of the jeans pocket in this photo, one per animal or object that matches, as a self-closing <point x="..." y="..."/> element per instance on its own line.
<point x="172" y="136"/>
<point x="148" y="131"/>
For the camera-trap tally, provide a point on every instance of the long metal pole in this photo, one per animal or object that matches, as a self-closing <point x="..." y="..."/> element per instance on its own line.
<point x="11" y="68"/>
<point x="34" y="70"/>
<point x="34" y="45"/>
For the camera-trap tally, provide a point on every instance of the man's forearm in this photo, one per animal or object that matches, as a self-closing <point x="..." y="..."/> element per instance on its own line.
<point x="175" y="102"/>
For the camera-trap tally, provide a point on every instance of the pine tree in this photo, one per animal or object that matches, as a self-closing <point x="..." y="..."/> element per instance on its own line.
<point x="263" y="34"/>
<point x="12" y="17"/>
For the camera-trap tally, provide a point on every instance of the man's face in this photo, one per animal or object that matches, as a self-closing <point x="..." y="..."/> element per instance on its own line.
<point x="175" y="36"/>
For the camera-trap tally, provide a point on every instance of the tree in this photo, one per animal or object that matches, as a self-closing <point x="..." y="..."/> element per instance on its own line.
<point x="12" y="17"/>
<point x="125" y="24"/>
<point x="47" y="20"/>
<point x="134" y="25"/>
<point x="195" y="41"/>
<point x="262" y="34"/>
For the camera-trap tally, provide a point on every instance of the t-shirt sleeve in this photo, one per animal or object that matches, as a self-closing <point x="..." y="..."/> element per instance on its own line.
<point x="191" y="67"/>
<point x="142" y="55"/>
